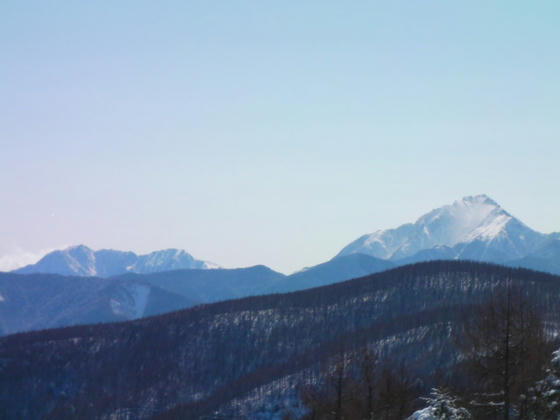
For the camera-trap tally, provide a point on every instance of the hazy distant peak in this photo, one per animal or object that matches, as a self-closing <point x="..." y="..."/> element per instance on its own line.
<point x="83" y="261"/>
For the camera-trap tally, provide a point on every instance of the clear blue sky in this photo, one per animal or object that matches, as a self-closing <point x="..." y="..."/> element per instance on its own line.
<point x="269" y="132"/>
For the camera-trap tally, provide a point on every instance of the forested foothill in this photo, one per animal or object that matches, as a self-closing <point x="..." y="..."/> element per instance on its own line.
<point x="442" y="339"/>
<point x="506" y="369"/>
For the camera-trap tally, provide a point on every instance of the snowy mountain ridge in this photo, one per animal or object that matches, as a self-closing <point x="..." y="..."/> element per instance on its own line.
<point x="475" y="227"/>
<point x="83" y="261"/>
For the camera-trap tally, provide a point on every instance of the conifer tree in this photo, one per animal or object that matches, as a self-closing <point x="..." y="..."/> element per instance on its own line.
<point x="544" y="397"/>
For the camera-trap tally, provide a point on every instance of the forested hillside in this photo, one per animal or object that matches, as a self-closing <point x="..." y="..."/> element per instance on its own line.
<point x="248" y="357"/>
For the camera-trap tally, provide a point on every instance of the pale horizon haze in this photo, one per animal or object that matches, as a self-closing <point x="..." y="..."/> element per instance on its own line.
<point x="269" y="133"/>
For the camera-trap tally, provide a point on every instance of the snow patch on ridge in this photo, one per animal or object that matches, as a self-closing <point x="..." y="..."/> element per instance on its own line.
<point x="132" y="304"/>
<point x="140" y="295"/>
<point x="210" y="265"/>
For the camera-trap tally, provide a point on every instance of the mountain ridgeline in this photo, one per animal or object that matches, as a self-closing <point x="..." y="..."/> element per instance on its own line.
<point x="475" y="228"/>
<point x="246" y="358"/>
<point x="83" y="261"/>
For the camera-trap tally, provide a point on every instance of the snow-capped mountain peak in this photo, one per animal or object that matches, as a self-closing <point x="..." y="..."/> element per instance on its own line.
<point x="83" y="261"/>
<point x="464" y="221"/>
<point x="474" y="227"/>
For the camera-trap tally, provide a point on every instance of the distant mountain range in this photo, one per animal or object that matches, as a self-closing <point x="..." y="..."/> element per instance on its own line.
<point x="473" y="228"/>
<point x="83" y="261"/>
<point x="85" y="286"/>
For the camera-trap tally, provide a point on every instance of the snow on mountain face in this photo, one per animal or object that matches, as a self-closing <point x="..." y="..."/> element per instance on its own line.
<point x="169" y="259"/>
<point x="474" y="227"/>
<point x="464" y="220"/>
<point x="75" y="260"/>
<point x="83" y="261"/>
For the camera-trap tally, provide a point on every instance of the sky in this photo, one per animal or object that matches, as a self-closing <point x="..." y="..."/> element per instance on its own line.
<point x="265" y="132"/>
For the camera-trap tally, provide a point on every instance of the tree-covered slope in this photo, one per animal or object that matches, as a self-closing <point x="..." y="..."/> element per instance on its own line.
<point x="230" y="357"/>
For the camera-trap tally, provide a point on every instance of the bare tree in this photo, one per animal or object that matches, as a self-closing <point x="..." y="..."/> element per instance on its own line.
<point x="505" y="349"/>
<point x="396" y="392"/>
<point x="368" y="376"/>
<point x="337" y="380"/>
<point x="328" y="398"/>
